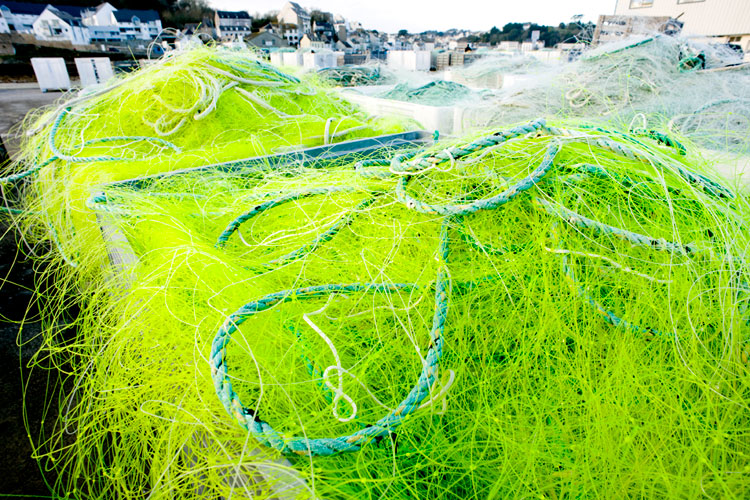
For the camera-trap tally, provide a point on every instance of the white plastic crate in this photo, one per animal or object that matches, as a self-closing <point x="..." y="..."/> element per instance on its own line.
<point x="291" y="58"/>
<point x="51" y="73"/>
<point x="489" y="81"/>
<point x="317" y="60"/>
<point x="440" y="118"/>
<point x="412" y="60"/>
<point x="94" y="70"/>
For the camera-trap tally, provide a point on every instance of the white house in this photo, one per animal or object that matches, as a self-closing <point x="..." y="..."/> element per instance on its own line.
<point x="101" y="15"/>
<point x="60" y="24"/>
<point x="723" y="20"/>
<point x="292" y="13"/>
<point x="104" y="34"/>
<point x="137" y="24"/>
<point x="310" y="41"/>
<point x="233" y="23"/>
<point x="289" y="32"/>
<point x="107" y="23"/>
<point x="19" y="17"/>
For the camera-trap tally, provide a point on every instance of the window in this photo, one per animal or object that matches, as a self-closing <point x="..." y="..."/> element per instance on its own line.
<point x="641" y="4"/>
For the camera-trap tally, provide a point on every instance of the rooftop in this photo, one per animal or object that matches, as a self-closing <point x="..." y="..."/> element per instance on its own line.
<point x="125" y="15"/>
<point x="24" y="8"/>
<point x="230" y="14"/>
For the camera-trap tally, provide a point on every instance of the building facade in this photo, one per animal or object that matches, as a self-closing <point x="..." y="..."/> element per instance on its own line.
<point x="79" y="25"/>
<point x="294" y="15"/>
<point x="266" y="40"/>
<point x="233" y="23"/>
<point x="725" y="21"/>
<point x="101" y="15"/>
<point x="137" y="24"/>
<point x="19" y="17"/>
<point x="61" y="24"/>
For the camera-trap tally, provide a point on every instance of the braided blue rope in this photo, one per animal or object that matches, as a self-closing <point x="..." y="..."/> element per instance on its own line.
<point x="606" y="314"/>
<point x="484" y="204"/>
<point x="698" y="180"/>
<point x="233" y="226"/>
<point x="417" y="164"/>
<point x="58" y="155"/>
<point x="582" y="222"/>
<point x="472" y="240"/>
<point x="661" y="139"/>
<point x="264" y="433"/>
<point x="91" y="159"/>
<point x="323" y="238"/>
<point x="13" y="178"/>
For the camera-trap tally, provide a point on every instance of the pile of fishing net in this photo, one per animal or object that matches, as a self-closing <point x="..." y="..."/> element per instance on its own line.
<point x="200" y="107"/>
<point x="550" y="309"/>
<point x="641" y="75"/>
<point x="437" y="93"/>
<point x="490" y="70"/>
<point x="354" y="76"/>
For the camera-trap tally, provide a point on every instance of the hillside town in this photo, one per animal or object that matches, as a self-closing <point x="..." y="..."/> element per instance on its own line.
<point x="104" y="28"/>
<point x="107" y="30"/>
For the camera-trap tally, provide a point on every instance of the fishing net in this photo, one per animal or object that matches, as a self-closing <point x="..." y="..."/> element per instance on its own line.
<point x="623" y="81"/>
<point x="551" y="309"/>
<point x="492" y="70"/>
<point x="437" y="93"/>
<point x="354" y="76"/>
<point x="199" y="107"/>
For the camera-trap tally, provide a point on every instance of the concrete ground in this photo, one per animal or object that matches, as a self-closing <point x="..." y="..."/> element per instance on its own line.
<point x="17" y="99"/>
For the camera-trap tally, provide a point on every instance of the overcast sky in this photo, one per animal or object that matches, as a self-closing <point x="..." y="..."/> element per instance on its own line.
<point x="422" y="15"/>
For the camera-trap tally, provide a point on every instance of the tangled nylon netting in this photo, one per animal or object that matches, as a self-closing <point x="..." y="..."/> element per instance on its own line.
<point x="552" y="309"/>
<point x="352" y="76"/>
<point x="200" y="107"/>
<point x="623" y="81"/>
<point x="490" y="70"/>
<point x="437" y="93"/>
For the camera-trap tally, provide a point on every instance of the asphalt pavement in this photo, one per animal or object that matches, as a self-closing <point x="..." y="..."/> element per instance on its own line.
<point x="16" y="100"/>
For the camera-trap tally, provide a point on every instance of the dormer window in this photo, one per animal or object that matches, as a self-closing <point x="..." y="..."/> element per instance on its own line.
<point x="136" y="21"/>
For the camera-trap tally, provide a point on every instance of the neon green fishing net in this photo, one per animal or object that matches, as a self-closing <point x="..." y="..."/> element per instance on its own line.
<point x="550" y="309"/>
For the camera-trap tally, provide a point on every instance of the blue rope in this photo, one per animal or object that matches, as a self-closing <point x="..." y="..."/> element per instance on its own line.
<point x="263" y="431"/>
<point x="415" y="165"/>
<point x="233" y="226"/>
<point x="321" y="239"/>
<point x="606" y="314"/>
<point x="605" y="229"/>
<point x="86" y="159"/>
<point x="484" y="204"/>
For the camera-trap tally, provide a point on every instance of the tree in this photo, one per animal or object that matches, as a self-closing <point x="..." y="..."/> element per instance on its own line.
<point x="182" y="12"/>
<point x="318" y="16"/>
<point x="403" y="32"/>
<point x="260" y="20"/>
<point x="550" y="35"/>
